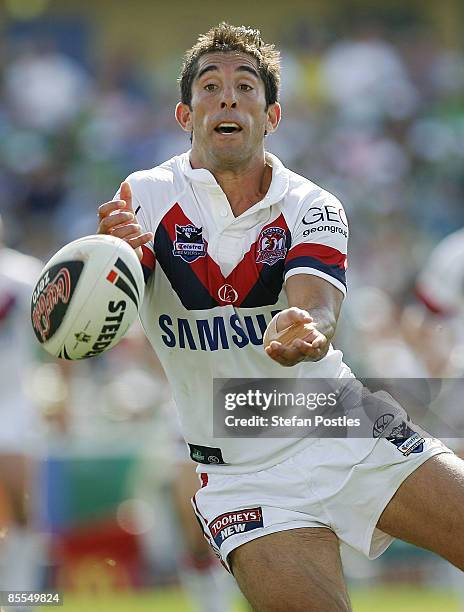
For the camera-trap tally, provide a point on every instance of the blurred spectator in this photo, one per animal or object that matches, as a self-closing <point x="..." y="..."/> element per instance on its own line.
<point x="366" y="79"/>
<point x="45" y="89"/>
<point x="21" y="434"/>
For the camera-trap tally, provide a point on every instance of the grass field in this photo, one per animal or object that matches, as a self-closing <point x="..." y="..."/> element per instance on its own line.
<point x="387" y="599"/>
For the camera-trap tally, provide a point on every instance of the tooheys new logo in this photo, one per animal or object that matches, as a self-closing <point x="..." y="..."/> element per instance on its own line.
<point x="51" y="297"/>
<point x="233" y="523"/>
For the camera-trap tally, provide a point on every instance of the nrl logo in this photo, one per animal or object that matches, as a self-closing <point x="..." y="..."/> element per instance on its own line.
<point x="189" y="244"/>
<point x="271" y="246"/>
<point x="82" y="337"/>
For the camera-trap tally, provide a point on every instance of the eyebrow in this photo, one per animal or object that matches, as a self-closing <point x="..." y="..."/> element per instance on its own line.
<point x="243" y="68"/>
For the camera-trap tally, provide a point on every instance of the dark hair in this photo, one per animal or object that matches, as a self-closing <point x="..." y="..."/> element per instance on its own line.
<point x="227" y="38"/>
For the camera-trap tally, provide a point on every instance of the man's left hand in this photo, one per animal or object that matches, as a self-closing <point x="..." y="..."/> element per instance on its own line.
<point x="312" y="347"/>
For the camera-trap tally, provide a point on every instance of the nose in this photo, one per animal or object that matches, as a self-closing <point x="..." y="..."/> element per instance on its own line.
<point x="229" y="99"/>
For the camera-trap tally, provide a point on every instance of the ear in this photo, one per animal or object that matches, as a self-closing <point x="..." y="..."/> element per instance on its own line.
<point x="184" y="116"/>
<point x="273" y="112"/>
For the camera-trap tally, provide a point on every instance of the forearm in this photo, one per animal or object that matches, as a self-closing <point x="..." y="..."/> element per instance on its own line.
<point x="316" y="296"/>
<point x="324" y="320"/>
<point x="311" y="319"/>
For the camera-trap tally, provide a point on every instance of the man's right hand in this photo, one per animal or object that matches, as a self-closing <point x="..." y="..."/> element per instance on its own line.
<point x="117" y="218"/>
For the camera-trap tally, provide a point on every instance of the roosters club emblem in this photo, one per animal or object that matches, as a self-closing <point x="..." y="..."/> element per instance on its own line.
<point x="271" y="246"/>
<point x="189" y="243"/>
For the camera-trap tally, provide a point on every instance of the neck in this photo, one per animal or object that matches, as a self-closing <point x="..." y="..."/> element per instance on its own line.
<point x="244" y="186"/>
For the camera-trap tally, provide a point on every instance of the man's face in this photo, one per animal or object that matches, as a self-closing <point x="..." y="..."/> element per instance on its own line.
<point x="228" y="115"/>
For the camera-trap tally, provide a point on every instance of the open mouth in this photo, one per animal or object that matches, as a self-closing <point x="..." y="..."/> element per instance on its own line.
<point x="228" y="128"/>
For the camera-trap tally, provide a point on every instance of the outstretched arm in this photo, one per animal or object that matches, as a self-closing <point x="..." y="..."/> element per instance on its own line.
<point x="314" y="301"/>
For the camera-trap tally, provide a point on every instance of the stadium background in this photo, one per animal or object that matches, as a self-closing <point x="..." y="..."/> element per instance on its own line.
<point x="373" y="111"/>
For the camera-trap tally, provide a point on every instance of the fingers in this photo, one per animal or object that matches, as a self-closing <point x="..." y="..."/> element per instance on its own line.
<point x="124" y="202"/>
<point x="312" y="348"/>
<point x="109" y="223"/>
<point x="127" y="230"/>
<point x="288" y="358"/>
<point x="298" y="315"/>
<point x="319" y="342"/>
<point x="293" y="315"/>
<point x="139" y="240"/>
<point x="119" y="225"/>
<point x="108" y="207"/>
<point x="297" y="339"/>
<point x="117" y="218"/>
<point x="125" y="194"/>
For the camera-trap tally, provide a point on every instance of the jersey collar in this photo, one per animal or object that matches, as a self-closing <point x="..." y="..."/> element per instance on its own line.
<point x="277" y="189"/>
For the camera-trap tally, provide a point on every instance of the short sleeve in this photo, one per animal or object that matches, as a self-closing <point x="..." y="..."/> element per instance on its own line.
<point x="319" y="242"/>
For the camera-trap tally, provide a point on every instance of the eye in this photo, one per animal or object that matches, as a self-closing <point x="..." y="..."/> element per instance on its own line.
<point x="245" y="87"/>
<point x="210" y="87"/>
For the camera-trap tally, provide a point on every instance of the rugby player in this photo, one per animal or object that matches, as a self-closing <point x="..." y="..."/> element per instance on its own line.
<point x="438" y="335"/>
<point x="21" y="550"/>
<point x="440" y="288"/>
<point x="231" y="243"/>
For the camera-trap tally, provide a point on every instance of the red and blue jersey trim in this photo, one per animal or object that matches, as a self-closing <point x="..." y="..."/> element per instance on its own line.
<point x="198" y="283"/>
<point x="320" y="257"/>
<point x="148" y="262"/>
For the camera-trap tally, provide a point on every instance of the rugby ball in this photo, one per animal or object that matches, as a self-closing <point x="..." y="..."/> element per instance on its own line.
<point x="87" y="296"/>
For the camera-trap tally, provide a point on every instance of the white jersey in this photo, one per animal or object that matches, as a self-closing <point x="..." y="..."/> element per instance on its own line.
<point x="18" y="349"/>
<point x="219" y="279"/>
<point x="441" y="282"/>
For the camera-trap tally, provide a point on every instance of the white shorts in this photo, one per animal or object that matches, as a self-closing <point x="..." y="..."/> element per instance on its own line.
<point x="343" y="484"/>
